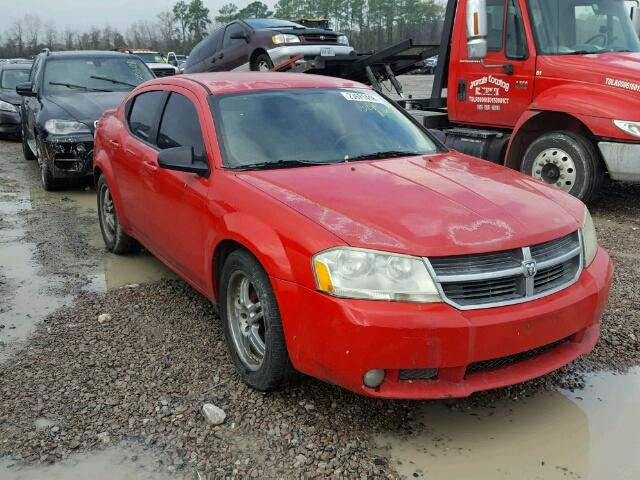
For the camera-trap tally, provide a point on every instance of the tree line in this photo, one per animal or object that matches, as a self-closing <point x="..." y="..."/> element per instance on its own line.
<point x="369" y="24"/>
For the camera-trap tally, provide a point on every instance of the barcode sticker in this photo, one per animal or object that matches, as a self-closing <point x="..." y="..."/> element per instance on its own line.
<point x="362" y="97"/>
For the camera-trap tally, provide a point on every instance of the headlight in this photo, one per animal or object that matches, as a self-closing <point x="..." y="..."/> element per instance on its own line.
<point x="65" y="127"/>
<point x="632" y="128"/>
<point x="589" y="239"/>
<point x="342" y="39"/>
<point x="284" y="38"/>
<point x="368" y="274"/>
<point x="7" y="107"/>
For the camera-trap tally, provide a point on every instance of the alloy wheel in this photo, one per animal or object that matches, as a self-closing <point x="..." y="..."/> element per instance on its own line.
<point x="246" y="320"/>
<point x="107" y="213"/>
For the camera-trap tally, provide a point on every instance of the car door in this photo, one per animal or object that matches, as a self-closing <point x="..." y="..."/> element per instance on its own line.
<point x="493" y="93"/>
<point x="180" y="208"/>
<point x="235" y="51"/>
<point x="135" y="164"/>
<point x="31" y="106"/>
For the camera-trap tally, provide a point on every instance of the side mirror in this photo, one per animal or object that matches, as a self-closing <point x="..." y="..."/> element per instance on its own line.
<point x="477" y="31"/>
<point x="240" y="36"/>
<point x="25" y="89"/>
<point x="182" y="159"/>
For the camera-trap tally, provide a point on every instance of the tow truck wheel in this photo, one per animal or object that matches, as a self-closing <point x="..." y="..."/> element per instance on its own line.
<point x="262" y="63"/>
<point x="567" y="160"/>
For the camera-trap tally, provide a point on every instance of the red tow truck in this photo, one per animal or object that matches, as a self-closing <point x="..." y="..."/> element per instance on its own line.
<point x="547" y="87"/>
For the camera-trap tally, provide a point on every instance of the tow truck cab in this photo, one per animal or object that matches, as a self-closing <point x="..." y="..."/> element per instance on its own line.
<point x="549" y="87"/>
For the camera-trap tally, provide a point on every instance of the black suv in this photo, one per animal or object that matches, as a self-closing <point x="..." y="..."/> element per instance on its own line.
<point x="66" y="94"/>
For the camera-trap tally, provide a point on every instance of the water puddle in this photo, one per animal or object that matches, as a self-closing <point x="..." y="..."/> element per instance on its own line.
<point x="111" y="464"/>
<point x="586" y="434"/>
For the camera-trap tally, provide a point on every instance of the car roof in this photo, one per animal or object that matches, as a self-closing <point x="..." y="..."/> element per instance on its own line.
<point x="236" y="82"/>
<point x="16" y="66"/>
<point x="84" y="53"/>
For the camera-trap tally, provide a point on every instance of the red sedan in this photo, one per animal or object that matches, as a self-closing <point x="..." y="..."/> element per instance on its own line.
<point x="340" y="240"/>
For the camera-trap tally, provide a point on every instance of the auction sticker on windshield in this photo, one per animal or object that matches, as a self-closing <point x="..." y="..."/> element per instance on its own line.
<point x="362" y="97"/>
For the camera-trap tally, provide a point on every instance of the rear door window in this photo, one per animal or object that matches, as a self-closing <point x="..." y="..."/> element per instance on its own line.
<point x="144" y="113"/>
<point x="180" y="126"/>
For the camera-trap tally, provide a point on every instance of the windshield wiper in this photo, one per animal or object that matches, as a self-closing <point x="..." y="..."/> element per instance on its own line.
<point x="72" y="85"/>
<point x="278" y="164"/>
<point x="113" y="80"/>
<point x="384" y="154"/>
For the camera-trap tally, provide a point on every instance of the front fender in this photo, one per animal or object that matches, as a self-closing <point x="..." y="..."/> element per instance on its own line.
<point x="593" y="105"/>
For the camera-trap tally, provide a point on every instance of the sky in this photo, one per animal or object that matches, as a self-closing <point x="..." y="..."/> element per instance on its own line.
<point x="82" y="14"/>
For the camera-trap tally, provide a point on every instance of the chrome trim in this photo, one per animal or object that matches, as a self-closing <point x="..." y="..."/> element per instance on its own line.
<point x="529" y="281"/>
<point x="470" y="277"/>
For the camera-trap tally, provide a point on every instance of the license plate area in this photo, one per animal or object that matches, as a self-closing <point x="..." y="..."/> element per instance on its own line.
<point x="327" y="52"/>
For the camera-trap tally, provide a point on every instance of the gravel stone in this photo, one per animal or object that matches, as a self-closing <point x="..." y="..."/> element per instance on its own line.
<point x="214" y="415"/>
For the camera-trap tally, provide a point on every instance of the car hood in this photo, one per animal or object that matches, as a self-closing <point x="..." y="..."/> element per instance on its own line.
<point x="87" y="107"/>
<point x="446" y="204"/>
<point x="10" y="96"/>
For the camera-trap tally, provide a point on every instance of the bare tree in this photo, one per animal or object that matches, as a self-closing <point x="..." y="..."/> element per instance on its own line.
<point x="32" y="25"/>
<point x="16" y="36"/>
<point x="50" y="34"/>
<point x="167" y="29"/>
<point x="69" y="39"/>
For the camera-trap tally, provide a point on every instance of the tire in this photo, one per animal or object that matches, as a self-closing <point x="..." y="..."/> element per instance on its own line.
<point x="26" y="149"/>
<point x="115" y="240"/>
<point x="262" y="323"/>
<point x="567" y="160"/>
<point x="261" y="63"/>
<point x="47" y="180"/>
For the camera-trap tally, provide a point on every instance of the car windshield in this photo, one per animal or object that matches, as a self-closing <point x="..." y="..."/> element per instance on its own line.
<point x="581" y="27"/>
<point x="150" y="57"/>
<point x="259" y="23"/>
<point x="94" y="74"/>
<point x="314" y="126"/>
<point x="13" y="77"/>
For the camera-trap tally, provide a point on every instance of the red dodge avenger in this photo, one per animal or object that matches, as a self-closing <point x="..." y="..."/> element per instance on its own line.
<point x="339" y="239"/>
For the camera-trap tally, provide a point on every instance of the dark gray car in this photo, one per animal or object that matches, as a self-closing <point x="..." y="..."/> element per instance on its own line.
<point x="11" y="75"/>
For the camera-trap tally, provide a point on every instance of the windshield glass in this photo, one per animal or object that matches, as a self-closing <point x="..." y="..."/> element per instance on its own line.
<point x="313" y="126"/>
<point x="271" y="23"/>
<point x="579" y="26"/>
<point x="11" y="78"/>
<point x="149" y="57"/>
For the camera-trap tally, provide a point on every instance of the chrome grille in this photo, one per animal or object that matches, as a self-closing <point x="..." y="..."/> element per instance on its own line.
<point x="512" y="276"/>
<point x="163" y="72"/>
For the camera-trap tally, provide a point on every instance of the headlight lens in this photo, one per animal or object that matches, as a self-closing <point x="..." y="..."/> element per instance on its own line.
<point x="632" y="128"/>
<point x="7" y="107"/>
<point x="65" y="127"/>
<point x="342" y="39"/>
<point x="368" y="274"/>
<point x="285" y="38"/>
<point x="589" y="239"/>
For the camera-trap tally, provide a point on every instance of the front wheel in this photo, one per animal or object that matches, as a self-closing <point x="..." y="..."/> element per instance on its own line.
<point x="252" y="325"/>
<point x="26" y="149"/>
<point x="567" y="160"/>
<point x="262" y="63"/>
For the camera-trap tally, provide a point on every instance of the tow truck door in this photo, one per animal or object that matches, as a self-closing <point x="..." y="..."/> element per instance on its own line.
<point x="498" y="90"/>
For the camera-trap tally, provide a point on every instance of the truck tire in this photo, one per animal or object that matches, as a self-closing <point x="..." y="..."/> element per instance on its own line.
<point x="252" y="325"/>
<point x="261" y="63"/>
<point x="115" y="240"/>
<point x="567" y="160"/>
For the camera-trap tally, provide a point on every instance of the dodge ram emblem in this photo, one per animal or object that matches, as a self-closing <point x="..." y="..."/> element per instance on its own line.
<point x="530" y="268"/>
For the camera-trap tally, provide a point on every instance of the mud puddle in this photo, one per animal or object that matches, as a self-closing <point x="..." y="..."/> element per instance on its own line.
<point x="586" y="434"/>
<point x="115" y="463"/>
<point x="51" y="248"/>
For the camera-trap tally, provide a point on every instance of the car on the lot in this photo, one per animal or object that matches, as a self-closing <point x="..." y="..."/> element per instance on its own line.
<point x="154" y="61"/>
<point x="65" y="94"/>
<point x="11" y="75"/>
<point x="339" y="239"/>
<point x="260" y="43"/>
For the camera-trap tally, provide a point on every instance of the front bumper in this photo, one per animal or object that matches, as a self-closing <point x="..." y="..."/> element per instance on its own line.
<point x="69" y="157"/>
<point x="282" y="54"/>
<point x="622" y="160"/>
<point x="338" y="340"/>
<point x="10" y="123"/>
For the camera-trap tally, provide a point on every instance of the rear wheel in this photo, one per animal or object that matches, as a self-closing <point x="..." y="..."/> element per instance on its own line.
<point x="252" y="325"/>
<point x="114" y="237"/>
<point x="261" y="63"/>
<point x="567" y="160"/>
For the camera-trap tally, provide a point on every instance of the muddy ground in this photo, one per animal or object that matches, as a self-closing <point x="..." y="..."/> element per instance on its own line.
<point x="122" y="399"/>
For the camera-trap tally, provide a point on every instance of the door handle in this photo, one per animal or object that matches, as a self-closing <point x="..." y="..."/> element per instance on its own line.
<point x="221" y="56"/>
<point x="114" y="143"/>
<point x="150" y="166"/>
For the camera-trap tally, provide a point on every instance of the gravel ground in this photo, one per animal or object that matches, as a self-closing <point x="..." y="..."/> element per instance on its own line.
<point x="140" y="378"/>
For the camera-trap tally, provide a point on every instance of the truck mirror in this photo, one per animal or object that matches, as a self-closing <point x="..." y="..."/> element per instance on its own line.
<point x="476" y="29"/>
